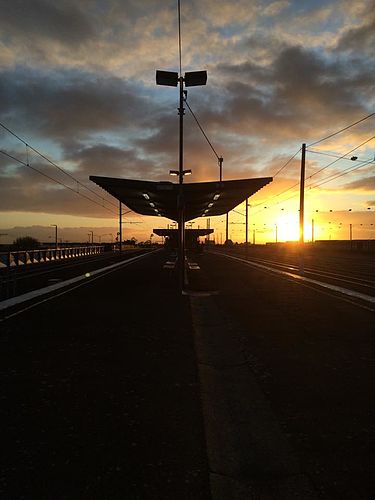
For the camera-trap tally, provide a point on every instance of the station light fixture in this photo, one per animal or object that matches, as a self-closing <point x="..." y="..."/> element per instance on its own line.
<point x="146" y="196"/>
<point x="168" y="78"/>
<point x="191" y="78"/>
<point x="195" y="78"/>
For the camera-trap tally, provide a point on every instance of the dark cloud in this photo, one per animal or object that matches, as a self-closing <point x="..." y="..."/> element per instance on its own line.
<point x="61" y="21"/>
<point x="364" y="184"/>
<point x="298" y="94"/>
<point x="70" y="105"/>
<point x="362" y="37"/>
<point x="110" y="161"/>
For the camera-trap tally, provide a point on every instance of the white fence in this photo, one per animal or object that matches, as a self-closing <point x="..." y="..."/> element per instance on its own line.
<point x="28" y="257"/>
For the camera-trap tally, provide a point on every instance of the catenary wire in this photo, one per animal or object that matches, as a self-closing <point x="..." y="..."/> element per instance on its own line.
<point x="201" y="129"/>
<point x="55" y="180"/>
<point x="28" y="146"/>
<point x="341" y="130"/>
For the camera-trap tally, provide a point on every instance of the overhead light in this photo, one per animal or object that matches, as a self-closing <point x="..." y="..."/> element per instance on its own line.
<point x="216" y="197"/>
<point x="210" y="205"/>
<point x="174" y="172"/>
<point x="168" y="78"/>
<point x="146" y="196"/>
<point x="187" y="172"/>
<point x="156" y="210"/>
<point x="152" y="204"/>
<point x="195" y="78"/>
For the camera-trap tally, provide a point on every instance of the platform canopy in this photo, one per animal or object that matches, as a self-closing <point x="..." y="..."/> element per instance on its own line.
<point x="200" y="199"/>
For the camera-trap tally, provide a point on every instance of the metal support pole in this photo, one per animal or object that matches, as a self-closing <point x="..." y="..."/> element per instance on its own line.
<point x="56" y="237"/>
<point x="302" y="195"/>
<point x="221" y="168"/>
<point x="312" y="230"/>
<point x="301" y="210"/>
<point x="181" y="215"/>
<point x="120" y="228"/>
<point x="227" y="227"/>
<point x="253" y="236"/>
<point x="247" y="222"/>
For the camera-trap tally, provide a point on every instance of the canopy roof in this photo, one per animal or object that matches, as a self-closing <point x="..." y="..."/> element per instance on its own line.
<point x="163" y="198"/>
<point x="194" y="233"/>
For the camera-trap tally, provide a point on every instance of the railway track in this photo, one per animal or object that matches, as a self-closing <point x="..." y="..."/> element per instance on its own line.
<point x="355" y="281"/>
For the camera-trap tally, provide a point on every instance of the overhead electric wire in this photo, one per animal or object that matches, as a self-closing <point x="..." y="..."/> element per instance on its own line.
<point x="55" y="180"/>
<point x="201" y="129"/>
<point x="53" y="163"/>
<point x="341" y="130"/>
<point x="335" y="155"/>
<point x="287" y="163"/>
<point x="335" y="176"/>
<point x="343" y="156"/>
<point x="318" y="171"/>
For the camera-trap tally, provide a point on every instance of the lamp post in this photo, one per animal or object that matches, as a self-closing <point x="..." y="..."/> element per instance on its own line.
<point x="172" y="79"/>
<point x="55" y="226"/>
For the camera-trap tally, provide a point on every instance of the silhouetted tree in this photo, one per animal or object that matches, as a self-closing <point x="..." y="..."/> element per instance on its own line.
<point x="26" y="243"/>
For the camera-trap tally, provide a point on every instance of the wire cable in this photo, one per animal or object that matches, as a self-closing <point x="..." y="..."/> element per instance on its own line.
<point x="287" y="163"/>
<point x="341" y="130"/>
<point x="55" y="180"/>
<point x="336" y="176"/>
<point x="336" y="155"/>
<point x="28" y="146"/>
<point x="342" y="157"/>
<point x="201" y="129"/>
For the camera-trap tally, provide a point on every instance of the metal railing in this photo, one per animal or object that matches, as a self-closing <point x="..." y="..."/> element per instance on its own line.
<point x="28" y="257"/>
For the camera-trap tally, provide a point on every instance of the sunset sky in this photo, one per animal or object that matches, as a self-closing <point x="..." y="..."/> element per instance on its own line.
<point x="77" y="84"/>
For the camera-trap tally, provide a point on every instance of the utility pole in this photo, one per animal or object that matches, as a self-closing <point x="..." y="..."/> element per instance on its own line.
<point x="312" y="230"/>
<point x="247" y="221"/>
<point x="220" y="160"/>
<point x="55" y="226"/>
<point x="301" y="210"/>
<point x="227" y="227"/>
<point x="120" y="228"/>
<point x="302" y="195"/>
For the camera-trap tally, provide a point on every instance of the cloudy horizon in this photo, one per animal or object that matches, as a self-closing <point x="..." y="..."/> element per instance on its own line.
<point x="78" y="84"/>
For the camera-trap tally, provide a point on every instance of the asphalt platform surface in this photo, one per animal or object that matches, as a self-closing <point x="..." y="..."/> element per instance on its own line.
<point x="107" y="392"/>
<point x="99" y="394"/>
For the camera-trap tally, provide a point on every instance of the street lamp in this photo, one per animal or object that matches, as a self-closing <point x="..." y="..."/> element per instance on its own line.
<point x="92" y="237"/>
<point x="172" y="79"/>
<point x="55" y="226"/>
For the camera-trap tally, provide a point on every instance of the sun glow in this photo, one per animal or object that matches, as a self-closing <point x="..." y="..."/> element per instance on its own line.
<point x="287" y="228"/>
